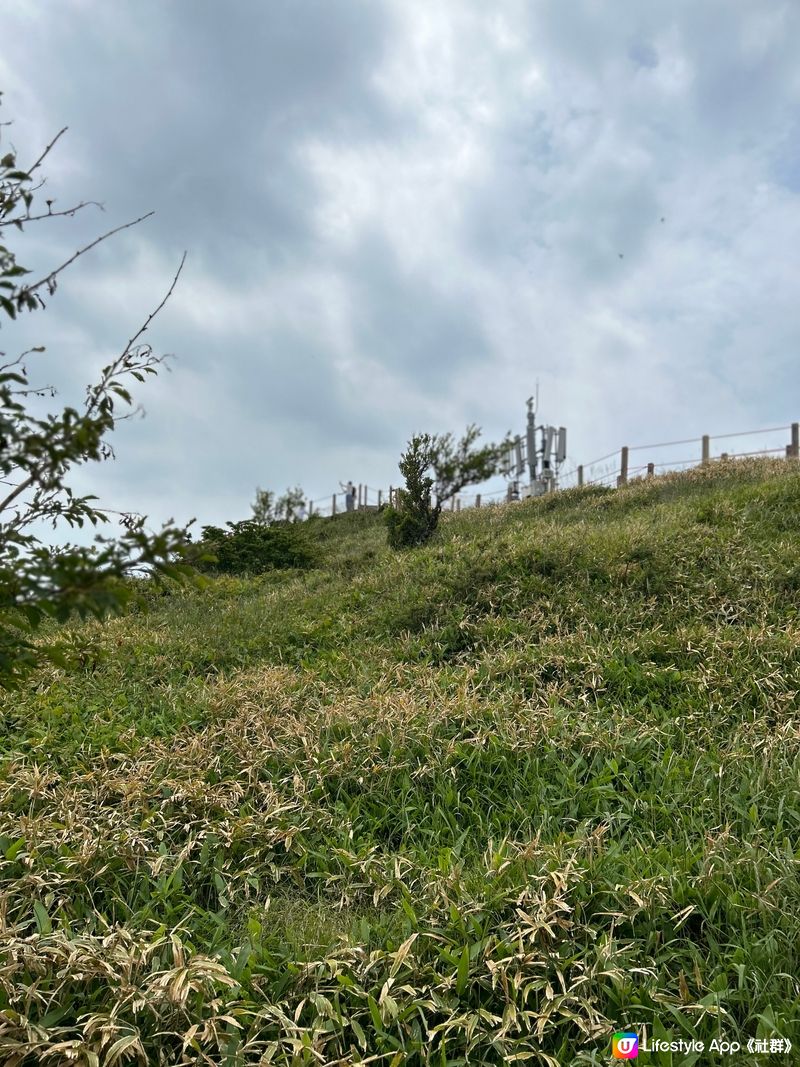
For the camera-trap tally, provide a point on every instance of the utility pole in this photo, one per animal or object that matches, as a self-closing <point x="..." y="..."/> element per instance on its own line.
<point x="531" y="436"/>
<point x="552" y="451"/>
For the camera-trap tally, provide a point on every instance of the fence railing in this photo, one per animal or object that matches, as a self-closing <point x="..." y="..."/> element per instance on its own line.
<point x="613" y="469"/>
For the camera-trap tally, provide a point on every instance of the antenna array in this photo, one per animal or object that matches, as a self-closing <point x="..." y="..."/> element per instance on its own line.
<point x="543" y="460"/>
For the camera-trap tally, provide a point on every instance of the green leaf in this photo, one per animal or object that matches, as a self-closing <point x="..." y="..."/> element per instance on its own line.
<point x="374" y="1011"/>
<point x="13" y="850"/>
<point x="463" y="971"/>
<point x="43" y="924"/>
<point x="361" y="1037"/>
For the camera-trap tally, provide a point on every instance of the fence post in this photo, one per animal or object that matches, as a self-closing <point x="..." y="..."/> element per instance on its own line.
<point x="580" y="475"/>
<point x="380" y="494"/>
<point x="333" y="506"/>
<point x="366" y="492"/>
<point x="706" y="449"/>
<point x="796" y="440"/>
<point x="623" y="466"/>
<point x="458" y="503"/>
<point x="452" y="503"/>
<point x="391" y="497"/>
<point x="651" y="469"/>
<point x="310" y="508"/>
<point x="478" y="500"/>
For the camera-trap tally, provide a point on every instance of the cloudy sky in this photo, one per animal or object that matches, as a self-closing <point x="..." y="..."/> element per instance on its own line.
<point x="399" y="215"/>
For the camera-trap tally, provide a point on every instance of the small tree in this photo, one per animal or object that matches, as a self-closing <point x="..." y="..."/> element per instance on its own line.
<point x="37" y="453"/>
<point x="268" y="508"/>
<point x="264" y="507"/>
<point x="435" y="469"/>
<point x="288" y="506"/>
<point x="413" y="520"/>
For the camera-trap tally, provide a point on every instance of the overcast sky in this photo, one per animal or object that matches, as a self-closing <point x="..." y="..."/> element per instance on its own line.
<point x="399" y="214"/>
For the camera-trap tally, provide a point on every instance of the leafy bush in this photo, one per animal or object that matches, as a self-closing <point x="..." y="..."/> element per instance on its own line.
<point x="408" y="526"/>
<point x="249" y="547"/>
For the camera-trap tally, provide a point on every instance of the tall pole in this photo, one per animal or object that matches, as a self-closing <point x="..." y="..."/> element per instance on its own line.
<point x="622" y="477"/>
<point x="531" y="435"/>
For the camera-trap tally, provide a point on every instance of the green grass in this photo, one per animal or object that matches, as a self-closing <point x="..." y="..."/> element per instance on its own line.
<point x="479" y="803"/>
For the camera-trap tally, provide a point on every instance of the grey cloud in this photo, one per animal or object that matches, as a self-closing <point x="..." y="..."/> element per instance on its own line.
<point x="309" y="349"/>
<point x="643" y="54"/>
<point x="197" y="111"/>
<point x="785" y="163"/>
<point x="409" y="324"/>
<point x="290" y="380"/>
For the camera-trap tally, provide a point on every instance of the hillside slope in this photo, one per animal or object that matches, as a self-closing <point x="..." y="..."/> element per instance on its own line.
<point x="495" y="797"/>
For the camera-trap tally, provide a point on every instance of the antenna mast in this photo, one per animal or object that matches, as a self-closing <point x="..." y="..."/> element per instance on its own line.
<point x="553" y="452"/>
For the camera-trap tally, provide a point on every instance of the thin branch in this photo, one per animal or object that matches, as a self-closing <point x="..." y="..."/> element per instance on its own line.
<point x="153" y="314"/>
<point x="113" y="368"/>
<point x="20" y="489"/>
<point x="40" y="391"/>
<point x="118" y="364"/>
<point x="52" y="214"/>
<point x="139" y="410"/>
<point x="46" y="152"/>
<point x="28" y="289"/>
<point x="21" y="356"/>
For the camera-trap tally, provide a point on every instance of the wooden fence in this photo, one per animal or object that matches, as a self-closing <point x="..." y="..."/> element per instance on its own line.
<point x="613" y="469"/>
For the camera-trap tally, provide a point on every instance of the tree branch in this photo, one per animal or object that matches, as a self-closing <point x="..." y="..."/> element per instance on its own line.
<point x="153" y="314"/>
<point x="110" y="371"/>
<point x="118" y="364"/>
<point x="52" y="214"/>
<point x="47" y="151"/>
<point x="28" y="289"/>
<point x="19" y="489"/>
<point x="20" y="357"/>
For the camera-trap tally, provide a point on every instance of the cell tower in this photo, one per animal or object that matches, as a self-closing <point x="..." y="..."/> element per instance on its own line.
<point x="543" y="462"/>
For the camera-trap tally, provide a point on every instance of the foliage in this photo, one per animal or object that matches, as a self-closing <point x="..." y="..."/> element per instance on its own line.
<point x="264" y="507"/>
<point x="454" y="466"/>
<point x="414" y="519"/>
<point x="495" y="798"/>
<point x="38" y="452"/>
<point x="269" y="508"/>
<point x="250" y="547"/>
<point x="289" y="507"/>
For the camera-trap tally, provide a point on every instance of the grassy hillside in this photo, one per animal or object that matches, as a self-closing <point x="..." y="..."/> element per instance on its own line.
<point x="482" y="802"/>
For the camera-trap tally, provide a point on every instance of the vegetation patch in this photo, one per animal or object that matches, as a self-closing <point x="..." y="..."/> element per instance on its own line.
<point x="492" y="798"/>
